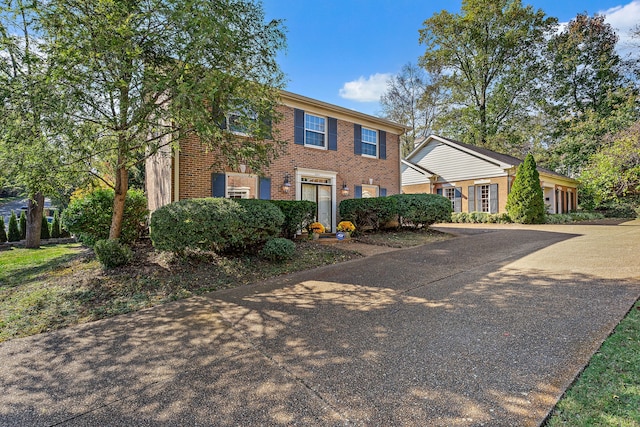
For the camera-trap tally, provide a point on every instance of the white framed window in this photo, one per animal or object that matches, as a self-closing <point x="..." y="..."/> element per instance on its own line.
<point x="315" y="131"/>
<point x="369" y="191"/>
<point x="241" y="186"/>
<point x="450" y="193"/>
<point x="240" y="122"/>
<point x="369" y="142"/>
<point x="484" y="204"/>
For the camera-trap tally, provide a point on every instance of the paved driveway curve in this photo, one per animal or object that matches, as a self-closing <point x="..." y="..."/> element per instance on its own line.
<point x="485" y="329"/>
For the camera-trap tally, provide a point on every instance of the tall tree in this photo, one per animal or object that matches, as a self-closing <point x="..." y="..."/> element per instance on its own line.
<point x="587" y="90"/>
<point x="31" y="150"/>
<point x="490" y="56"/>
<point x="148" y="74"/>
<point x="413" y="99"/>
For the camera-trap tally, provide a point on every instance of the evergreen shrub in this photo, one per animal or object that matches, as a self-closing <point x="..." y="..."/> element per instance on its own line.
<point x="112" y="253"/>
<point x="369" y="214"/>
<point x="298" y="214"/>
<point x="525" y="203"/>
<point x="3" y="231"/>
<point x="23" y="225"/>
<point x="45" y="233"/>
<point x="14" y="233"/>
<point x="89" y="217"/>
<point x="55" y="226"/>
<point x="422" y="209"/>
<point x="278" y="249"/>
<point x="214" y="224"/>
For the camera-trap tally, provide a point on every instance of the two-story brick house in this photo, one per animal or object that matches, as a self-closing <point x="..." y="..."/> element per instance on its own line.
<point x="332" y="153"/>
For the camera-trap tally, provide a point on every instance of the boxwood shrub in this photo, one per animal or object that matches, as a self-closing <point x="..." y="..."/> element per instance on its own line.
<point x="298" y="214"/>
<point x="89" y="217"/>
<point x="278" y="249"/>
<point x="422" y="210"/>
<point x="214" y="224"/>
<point x="111" y="253"/>
<point x="369" y="214"/>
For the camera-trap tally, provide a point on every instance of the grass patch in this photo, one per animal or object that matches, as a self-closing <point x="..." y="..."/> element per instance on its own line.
<point x="607" y="393"/>
<point x="62" y="285"/>
<point x="403" y="238"/>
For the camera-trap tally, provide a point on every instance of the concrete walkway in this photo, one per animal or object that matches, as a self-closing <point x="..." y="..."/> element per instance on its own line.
<point x="486" y="329"/>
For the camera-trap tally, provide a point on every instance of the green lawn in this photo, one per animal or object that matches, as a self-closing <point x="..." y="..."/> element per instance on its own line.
<point x="607" y="393"/>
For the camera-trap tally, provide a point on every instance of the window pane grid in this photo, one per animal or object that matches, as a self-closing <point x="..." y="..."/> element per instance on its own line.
<point x="484" y="198"/>
<point x="450" y="193"/>
<point x="369" y="142"/>
<point x="314" y="130"/>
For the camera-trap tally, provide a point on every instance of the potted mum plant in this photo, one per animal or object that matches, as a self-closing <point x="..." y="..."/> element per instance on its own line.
<point x="346" y="228"/>
<point x="316" y="229"/>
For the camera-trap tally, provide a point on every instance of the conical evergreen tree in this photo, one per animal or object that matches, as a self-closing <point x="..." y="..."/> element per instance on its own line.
<point x="44" y="230"/>
<point x="3" y="231"/>
<point x="23" y="225"/>
<point x="55" y="226"/>
<point x="14" y="233"/>
<point x="525" y="203"/>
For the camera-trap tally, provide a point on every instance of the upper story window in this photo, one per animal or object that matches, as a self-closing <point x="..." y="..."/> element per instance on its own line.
<point x="239" y="123"/>
<point x="369" y="142"/>
<point x="315" y="130"/>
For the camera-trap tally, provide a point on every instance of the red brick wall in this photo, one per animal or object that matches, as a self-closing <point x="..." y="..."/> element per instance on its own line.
<point x="195" y="163"/>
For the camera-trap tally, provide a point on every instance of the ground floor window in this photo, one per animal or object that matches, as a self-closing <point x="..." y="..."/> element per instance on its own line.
<point x="450" y="193"/>
<point x="369" y="191"/>
<point x="483" y="193"/>
<point x="241" y="186"/>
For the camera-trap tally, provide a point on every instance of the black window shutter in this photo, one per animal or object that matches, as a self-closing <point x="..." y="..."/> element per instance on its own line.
<point x="439" y="191"/>
<point x="357" y="192"/>
<point x="382" y="140"/>
<point x="357" y="139"/>
<point x="218" y="185"/>
<point x="383" y="192"/>
<point x="333" y="134"/>
<point x="298" y="126"/>
<point x="457" y="202"/>
<point x="493" y="198"/>
<point x="265" y="188"/>
<point x="471" y="198"/>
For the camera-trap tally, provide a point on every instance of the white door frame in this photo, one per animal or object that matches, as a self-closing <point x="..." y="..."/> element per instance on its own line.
<point x="315" y="173"/>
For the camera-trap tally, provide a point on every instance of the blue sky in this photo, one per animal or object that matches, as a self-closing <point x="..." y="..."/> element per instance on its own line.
<point x="343" y="51"/>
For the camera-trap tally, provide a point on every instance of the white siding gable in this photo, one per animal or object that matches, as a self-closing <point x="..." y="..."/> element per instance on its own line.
<point x="412" y="176"/>
<point x="453" y="165"/>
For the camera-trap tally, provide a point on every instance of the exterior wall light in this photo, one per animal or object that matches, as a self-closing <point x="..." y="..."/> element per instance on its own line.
<point x="286" y="185"/>
<point x="345" y="189"/>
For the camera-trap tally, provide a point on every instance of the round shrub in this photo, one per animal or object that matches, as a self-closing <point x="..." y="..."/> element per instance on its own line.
<point x="278" y="249"/>
<point x="89" y="217"/>
<point x="369" y="214"/>
<point x="298" y="214"/>
<point x="422" y="209"/>
<point x="214" y="224"/>
<point x="111" y="253"/>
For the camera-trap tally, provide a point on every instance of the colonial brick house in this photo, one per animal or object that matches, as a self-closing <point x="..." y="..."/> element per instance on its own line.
<point x="476" y="179"/>
<point x="332" y="154"/>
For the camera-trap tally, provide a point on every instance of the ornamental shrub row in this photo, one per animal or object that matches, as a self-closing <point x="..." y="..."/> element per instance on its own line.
<point x="215" y="224"/>
<point x="417" y="210"/>
<point x="480" y="217"/>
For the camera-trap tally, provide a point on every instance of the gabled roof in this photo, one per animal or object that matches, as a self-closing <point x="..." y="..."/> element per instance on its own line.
<point x="417" y="168"/>
<point x="505" y="161"/>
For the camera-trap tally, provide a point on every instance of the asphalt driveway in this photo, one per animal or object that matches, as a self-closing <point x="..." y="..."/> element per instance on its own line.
<point x="485" y="329"/>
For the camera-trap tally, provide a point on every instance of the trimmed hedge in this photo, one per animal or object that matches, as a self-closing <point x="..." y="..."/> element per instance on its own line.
<point x="422" y="209"/>
<point x="298" y="214"/>
<point x="278" y="249"/>
<point x="369" y="214"/>
<point x="214" y="224"/>
<point x="89" y="217"/>
<point x="480" y="217"/>
<point x="111" y="253"/>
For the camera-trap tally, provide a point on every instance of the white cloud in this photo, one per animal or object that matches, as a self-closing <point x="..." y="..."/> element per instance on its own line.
<point x="624" y="19"/>
<point x="366" y="90"/>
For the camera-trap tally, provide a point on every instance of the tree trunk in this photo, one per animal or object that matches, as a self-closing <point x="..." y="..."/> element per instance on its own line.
<point x="34" y="220"/>
<point x="121" y="187"/>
